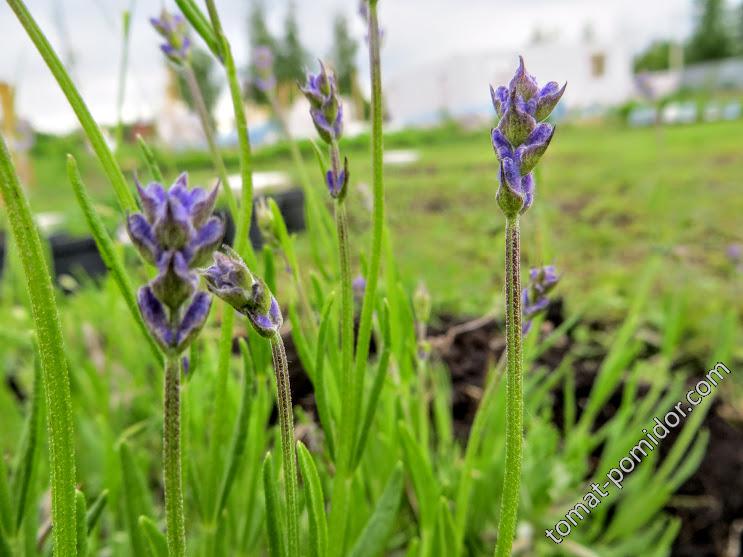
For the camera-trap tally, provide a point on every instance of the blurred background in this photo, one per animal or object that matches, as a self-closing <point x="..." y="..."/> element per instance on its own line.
<point x="646" y="163"/>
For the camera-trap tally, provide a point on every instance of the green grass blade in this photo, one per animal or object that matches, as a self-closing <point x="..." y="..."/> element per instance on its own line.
<point x="315" y="502"/>
<point x="150" y="160"/>
<point x="134" y="497"/>
<point x="156" y="542"/>
<point x="378" y="383"/>
<point x="6" y="508"/>
<point x="274" y="521"/>
<point x="108" y="251"/>
<point x="200" y="24"/>
<point x="52" y="353"/>
<point x="92" y="131"/>
<point x="95" y="511"/>
<point x="239" y="437"/>
<point x="424" y="480"/>
<point x="27" y="464"/>
<point x="324" y="405"/>
<point x="4" y="545"/>
<point x="82" y="531"/>
<point x="373" y="539"/>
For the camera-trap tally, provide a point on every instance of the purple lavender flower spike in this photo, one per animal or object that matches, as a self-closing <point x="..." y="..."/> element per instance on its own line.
<point x="534" y="299"/>
<point x="519" y="140"/>
<point x="177" y="233"/>
<point x="326" y="109"/>
<point x="337" y="183"/>
<point x="173" y="29"/>
<point x="264" y="79"/>
<point x="231" y="280"/>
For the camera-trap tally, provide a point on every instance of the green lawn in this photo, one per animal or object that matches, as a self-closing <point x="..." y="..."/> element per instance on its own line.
<point x="607" y="199"/>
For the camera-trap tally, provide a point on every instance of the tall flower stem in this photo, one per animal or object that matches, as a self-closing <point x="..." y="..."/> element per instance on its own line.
<point x="206" y="125"/>
<point x="514" y="392"/>
<point x="52" y="355"/>
<point x="286" y="424"/>
<point x="367" y="308"/>
<point x="176" y="530"/>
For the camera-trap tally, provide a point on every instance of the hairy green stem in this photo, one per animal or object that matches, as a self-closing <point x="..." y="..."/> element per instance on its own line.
<point x="92" y="131"/>
<point x="176" y="529"/>
<point x="52" y="355"/>
<point x="286" y="424"/>
<point x="367" y="308"/>
<point x="206" y="126"/>
<point x="514" y="393"/>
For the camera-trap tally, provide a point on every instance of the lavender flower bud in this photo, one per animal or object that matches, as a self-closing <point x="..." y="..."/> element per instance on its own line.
<point x="175" y="232"/>
<point x="173" y="28"/>
<point x="264" y="79"/>
<point x="337" y="182"/>
<point x="422" y="303"/>
<point x="266" y="222"/>
<point x="520" y="140"/>
<point x="534" y="298"/>
<point x="231" y="280"/>
<point x="326" y="109"/>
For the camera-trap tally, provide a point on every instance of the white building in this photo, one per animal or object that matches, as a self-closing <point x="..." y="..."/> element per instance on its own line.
<point x="598" y="75"/>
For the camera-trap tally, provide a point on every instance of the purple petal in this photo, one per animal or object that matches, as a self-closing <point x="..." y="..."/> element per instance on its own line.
<point x="153" y="313"/>
<point x="501" y="145"/>
<point x="499" y="97"/>
<point x="202" y="204"/>
<point x="143" y="237"/>
<point x="153" y="199"/>
<point x="193" y="320"/>
<point x="207" y="239"/>
<point x="527" y="188"/>
<point x="534" y="147"/>
<point x="548" y="99"/>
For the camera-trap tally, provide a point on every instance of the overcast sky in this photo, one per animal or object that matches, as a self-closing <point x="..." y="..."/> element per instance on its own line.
<point x="416" y="32"/>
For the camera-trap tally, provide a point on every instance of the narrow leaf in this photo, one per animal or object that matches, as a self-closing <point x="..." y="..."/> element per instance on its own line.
<point x="156" y="542"/>
<point x="373" y="539"/>
<point x="96" y="510"/>
<point x="273" y="513"/>
<point x="315" y="502"/>
<point x="150" y="160"/>
<point x="82" y="531"/>
<point x="134" y="498"/>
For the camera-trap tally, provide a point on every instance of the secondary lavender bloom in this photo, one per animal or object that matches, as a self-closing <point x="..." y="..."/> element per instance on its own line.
<point x="264" y="79"/>
<point x="534" y="298"/>
<point x="326" y="109"/>
<point x="176" y="233"/>
<point x="231" y="280"/>
<point x="364" y="13"/>
<point x="173" y="28"/>
<point x="735" y="252"/>
<point x="520" y="139"/>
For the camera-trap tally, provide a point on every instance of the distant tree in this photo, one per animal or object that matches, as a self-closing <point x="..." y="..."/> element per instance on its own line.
<point x="204" y="68"/>
<point x="343" y="55"/>
<point x="291" y="57"/>
<point x="740" y="28"/>
<point x="654" y="58"/>
<point x="711" y="39"/>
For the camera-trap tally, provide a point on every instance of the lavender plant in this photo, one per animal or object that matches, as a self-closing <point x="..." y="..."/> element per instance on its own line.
<point x="176" y="233"/>
<point x="231" y="280"/>
<point x="326" y="111"/>
<point x="519" y="140"/>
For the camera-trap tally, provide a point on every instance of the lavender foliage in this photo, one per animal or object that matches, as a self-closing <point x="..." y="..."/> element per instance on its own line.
<point x="231" y="280"/>
<point x="520" y="139"/>
<point x="177" y="233"/>
<point x="534" y="298"/>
